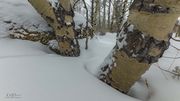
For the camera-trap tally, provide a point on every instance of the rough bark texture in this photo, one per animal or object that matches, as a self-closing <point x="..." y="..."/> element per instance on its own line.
<point x="132" y="59"/>
<point x="109" y="13"/>
<point x="136" y="49"/>
<point x="128" y="69"/>
<point x="24" y="34"/>
<point x="60" y="19"/>
<point x="95" y="14"/>
<point x="152" y="20"/>
<point x="104" y="14"/>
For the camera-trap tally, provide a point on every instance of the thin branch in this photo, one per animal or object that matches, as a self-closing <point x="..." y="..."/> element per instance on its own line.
<point x="75" y="3"/>
<point x="87" y="21"/>
<point x="166" y="70"/>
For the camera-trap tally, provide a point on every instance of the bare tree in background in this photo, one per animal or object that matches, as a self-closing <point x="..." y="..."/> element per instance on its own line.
<point x="109" y="13"/>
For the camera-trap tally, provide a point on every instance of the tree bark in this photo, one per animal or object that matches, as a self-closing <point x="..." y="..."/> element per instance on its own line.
<point x="109" y="13"/>
<point x="104" y="14"/>
<point x="60" y="15"/>
<point x="92" y="12"/>
<point x="154" y="23"/>
<point x="140" y="43"/>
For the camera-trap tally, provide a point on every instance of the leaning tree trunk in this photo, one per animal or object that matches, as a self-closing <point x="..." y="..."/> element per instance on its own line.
<point x="59" y="15"/>
<point x="155" y="21"/>
<point x="141" y="42"/>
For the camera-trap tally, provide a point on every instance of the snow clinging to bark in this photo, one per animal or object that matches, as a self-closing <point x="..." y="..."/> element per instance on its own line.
<point x="54" y="3"/>
<point x="178" y="21"/>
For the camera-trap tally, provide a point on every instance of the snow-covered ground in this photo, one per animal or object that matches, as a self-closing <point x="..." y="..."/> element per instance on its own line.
<point x="29" y="71"/>
<point x="161" y="84"/>
<point x="34" y="73"/>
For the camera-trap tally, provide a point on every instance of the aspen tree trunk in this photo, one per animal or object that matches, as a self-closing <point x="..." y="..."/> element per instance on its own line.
<point x="95" y="15"/>
<point x="104" y="14"/>
<point x="113" y="16"/>
<point x="109" y="14"/>
<point x="99" y="14"/>
<point x="92" y="12"/>
<point x="60" y="15"/>
<point x="156" y="24"/>
<point x="118" y="13"/>
<point x="140" y="43"/>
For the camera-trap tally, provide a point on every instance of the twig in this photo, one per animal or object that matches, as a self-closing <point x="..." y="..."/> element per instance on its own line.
<point x="166" y="70"/>
<point x="75" y="3"/>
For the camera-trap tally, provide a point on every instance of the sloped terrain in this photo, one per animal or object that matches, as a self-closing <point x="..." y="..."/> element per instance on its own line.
<point x="29" y="71"/>
<point x="32" y="72"/>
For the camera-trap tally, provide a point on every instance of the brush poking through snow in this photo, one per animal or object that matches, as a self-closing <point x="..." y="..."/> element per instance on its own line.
<point x="32" y="72"/>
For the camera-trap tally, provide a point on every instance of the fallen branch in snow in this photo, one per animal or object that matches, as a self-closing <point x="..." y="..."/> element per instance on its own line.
<point x="24" y="34"/>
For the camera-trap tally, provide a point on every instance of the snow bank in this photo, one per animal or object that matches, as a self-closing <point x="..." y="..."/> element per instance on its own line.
<point x="50" y="77"/>
<point x="162" y="86"/>
<point x="33" y="72"/>
<point x="80" y="20"/>
<point x="29" y="71"/>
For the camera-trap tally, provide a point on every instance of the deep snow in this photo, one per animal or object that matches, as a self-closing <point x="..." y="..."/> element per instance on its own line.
<point x="162" y="86"/>
<point x="29" y="71"/>
<point x="35" y="74"/>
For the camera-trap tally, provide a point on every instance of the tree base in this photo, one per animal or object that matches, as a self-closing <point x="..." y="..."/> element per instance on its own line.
<point x="46" y="39"/>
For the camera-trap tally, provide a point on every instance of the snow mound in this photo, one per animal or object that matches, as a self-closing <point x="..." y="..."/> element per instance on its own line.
<point x="32" y="72"/>
<point x="20" y="13"/>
